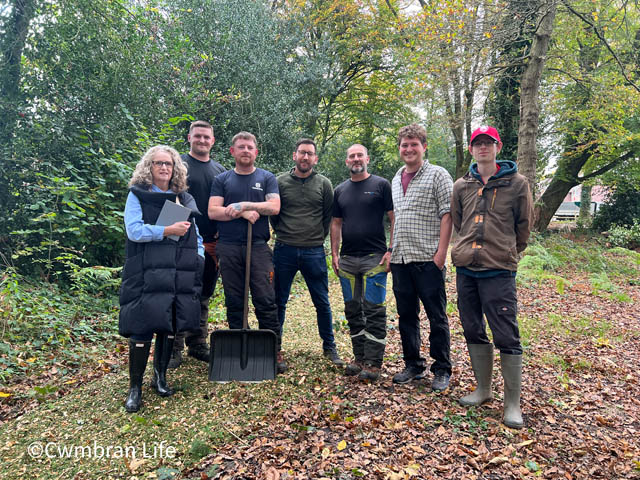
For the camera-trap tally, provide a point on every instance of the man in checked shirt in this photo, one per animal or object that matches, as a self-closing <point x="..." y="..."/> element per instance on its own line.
<point x="421" y="203"/>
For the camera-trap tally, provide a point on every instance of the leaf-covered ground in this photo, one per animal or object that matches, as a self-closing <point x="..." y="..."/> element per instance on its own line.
<point x="580" y="328"/>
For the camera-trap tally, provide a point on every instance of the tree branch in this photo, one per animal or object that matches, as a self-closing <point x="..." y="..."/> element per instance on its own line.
<point x="606" y="168"/>
<point x="604" y="42"/>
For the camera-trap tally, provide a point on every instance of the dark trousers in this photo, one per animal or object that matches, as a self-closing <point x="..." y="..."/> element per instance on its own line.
<point x="232" y="269"/>
<point x="312" y="263"/>
<point x="364" y="288"/>
<point x="496" y="298"/>
<point x="209" y="280"/>
<point x="412" y="283"/>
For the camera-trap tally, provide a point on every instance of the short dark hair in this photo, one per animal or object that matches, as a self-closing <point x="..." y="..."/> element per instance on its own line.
<point x="200" y="123"/>
<point x="306" y="141"/>
<point x="413" y="131"/>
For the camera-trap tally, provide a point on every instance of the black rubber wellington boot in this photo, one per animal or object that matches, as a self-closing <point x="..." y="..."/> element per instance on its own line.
<point x="161" y="357"/>
<point x="138" y="356"/>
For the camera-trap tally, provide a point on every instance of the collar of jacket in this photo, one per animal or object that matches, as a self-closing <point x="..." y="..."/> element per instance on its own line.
<point x="313" y="173"/>
<point x="507" y="167"/>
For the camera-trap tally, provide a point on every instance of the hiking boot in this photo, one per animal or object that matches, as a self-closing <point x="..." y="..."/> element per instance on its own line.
<point x="281" y="365"/>
<point x="353" y="369"/>
<point x="334" y="357"/>
<point x="440" y="381"/>
<point x="408" y="374"/>
<point x="199" y="352"/>
<point x="369" y="373"/>
<point x="176" y="359"/>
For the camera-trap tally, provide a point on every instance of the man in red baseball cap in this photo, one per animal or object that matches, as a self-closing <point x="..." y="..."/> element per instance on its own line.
<point x="492" y="212"/>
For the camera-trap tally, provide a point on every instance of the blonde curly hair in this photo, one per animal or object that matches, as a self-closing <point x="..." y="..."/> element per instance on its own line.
<point x="142" y="174"/>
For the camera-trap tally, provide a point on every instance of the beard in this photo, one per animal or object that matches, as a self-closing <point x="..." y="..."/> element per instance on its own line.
<point x="357" y="169"/>
<point x="303" y="168"/>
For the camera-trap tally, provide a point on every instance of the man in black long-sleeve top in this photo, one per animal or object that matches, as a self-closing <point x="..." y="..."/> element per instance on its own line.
<point x="202" y="169"/>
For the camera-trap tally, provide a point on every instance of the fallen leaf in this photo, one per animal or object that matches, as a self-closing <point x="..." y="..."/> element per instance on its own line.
<point x="525" y="443"/>
<point x="272" y="474"/>
<point x="342" y="445"/>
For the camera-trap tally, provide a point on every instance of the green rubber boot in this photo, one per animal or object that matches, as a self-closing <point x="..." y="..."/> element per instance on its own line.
<point x="482" y="364"/>
<point x="511" y="366"/>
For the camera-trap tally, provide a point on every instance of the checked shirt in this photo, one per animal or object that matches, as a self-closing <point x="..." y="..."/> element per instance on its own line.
<point x="418" y="213"/>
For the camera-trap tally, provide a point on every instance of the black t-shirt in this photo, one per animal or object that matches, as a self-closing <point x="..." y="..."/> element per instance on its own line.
<point x="362" y="206"/>
<point x="200" y="177"/>
<point x="244" y="188"/>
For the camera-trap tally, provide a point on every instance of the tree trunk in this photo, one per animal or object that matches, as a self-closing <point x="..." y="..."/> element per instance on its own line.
<point x="530" y="84"/>
<point x="12" y="45"/>
<point x="564" y="179"/>
<point x="584" y="218"/>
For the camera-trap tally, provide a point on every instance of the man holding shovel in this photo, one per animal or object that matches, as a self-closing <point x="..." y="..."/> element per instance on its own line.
<point x="244" y="195"/>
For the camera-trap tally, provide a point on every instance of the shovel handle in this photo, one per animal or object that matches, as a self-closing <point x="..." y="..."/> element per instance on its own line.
<point x="247" y="274"/>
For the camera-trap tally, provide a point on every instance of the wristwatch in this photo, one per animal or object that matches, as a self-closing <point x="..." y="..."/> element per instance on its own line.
<point x="390" y="249"/>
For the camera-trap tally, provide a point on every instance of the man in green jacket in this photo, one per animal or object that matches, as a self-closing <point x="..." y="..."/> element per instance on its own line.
<point x="491" y="209"/>
<point x="300" y="228"/>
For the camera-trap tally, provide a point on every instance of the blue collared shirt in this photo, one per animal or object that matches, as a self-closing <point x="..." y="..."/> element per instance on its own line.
<point x="138" y="231"/>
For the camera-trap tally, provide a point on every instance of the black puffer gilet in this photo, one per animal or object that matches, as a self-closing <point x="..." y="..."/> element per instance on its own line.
<point x="160" y="276"/>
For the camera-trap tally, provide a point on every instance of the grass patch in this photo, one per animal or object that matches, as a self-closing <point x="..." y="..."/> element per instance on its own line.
<point x="555" y="253"/>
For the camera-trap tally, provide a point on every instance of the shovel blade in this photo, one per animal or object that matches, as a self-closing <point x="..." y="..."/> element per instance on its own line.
<point x="242" y="355"/>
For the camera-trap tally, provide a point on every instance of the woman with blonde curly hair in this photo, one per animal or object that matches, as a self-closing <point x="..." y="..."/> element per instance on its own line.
<point x="162" y="277"/>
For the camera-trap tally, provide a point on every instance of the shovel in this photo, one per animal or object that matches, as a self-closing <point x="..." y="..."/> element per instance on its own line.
<point x="244" y="355"/>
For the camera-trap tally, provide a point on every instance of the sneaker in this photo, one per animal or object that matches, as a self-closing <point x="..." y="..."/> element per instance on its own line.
<point x="408" y="374"/>
<point x="199" y="352"/>
<point x="440" y="381"/>
<point x="333" y="356"/>
<point x="369" y="373"/>
<point x="281" y="365"/>
<point x="176" y="359"/>
<point x="353" y="369"/>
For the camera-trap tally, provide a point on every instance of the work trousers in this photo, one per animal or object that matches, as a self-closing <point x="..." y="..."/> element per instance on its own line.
<point x="496" y="298"/>
<point x="364" y="288"/>
<point x="232" y="269"/>
<point x="209" y="280"/>
<point x="422" y="281"/>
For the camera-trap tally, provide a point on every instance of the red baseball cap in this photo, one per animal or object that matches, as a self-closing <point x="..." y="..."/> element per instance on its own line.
<point x="485" y="130"/>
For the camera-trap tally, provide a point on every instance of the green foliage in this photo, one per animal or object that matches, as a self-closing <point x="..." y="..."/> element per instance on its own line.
<point x="42" y="326"/>
<point x="101" y="82"/>
<point x="199" y="449"/>
<point x="470" y="422"/>
<point x="626" y="237"/>
<point x="622" y="208"/>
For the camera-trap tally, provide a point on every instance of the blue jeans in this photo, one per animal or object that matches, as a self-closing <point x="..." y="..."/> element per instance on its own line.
<point x="312" y="263"/>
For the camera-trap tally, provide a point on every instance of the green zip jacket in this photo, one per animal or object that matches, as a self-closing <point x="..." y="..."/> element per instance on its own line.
<point x="305" y="210"/>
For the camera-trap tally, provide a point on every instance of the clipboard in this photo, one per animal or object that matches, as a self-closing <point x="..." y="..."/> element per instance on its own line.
<point x="171" y="213"/>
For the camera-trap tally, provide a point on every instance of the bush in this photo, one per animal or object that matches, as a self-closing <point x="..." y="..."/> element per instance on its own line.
<point x="621" y="208"/>
<point x="626" y="237"/>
